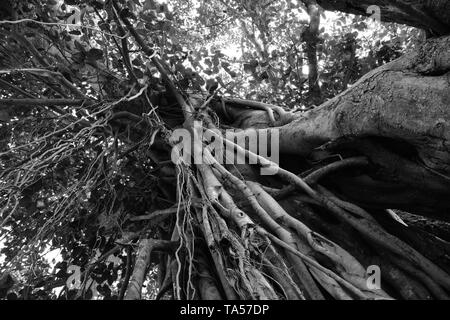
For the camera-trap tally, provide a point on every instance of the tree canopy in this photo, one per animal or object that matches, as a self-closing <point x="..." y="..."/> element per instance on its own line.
<point x="93" y="207"/>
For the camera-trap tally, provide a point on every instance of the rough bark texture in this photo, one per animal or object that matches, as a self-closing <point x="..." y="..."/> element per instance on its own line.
<point x="398" y="116"/>
<point x="433" y="16"/>
<point x="395" y="122"/>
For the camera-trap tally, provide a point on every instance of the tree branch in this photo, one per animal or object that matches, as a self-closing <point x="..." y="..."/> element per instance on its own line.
<point x="146" y="246"/>
<point x="44" y="102"/>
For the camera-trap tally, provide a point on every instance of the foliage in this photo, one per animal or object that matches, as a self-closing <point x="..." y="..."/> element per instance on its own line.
<point x="71" y="188"/>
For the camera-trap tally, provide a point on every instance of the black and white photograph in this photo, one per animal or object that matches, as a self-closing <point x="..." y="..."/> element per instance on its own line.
<point x="224" y="158"/>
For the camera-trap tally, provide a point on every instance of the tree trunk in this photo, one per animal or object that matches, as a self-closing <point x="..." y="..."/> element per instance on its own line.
<point x="433" y="16"/>
<point x="314" y="230"/>
<point x="397" y="116"/>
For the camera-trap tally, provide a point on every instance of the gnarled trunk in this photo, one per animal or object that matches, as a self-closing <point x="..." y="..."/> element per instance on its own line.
<point x="433" y="16"/>
<point x="398" y="116"/>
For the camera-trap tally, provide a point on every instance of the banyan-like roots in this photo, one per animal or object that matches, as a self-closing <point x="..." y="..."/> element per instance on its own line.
<point x="257" y="250"/>
<point x="241" y="243"/>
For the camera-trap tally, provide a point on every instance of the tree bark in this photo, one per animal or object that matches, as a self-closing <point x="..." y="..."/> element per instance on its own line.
<point x="433" y="16"/>
<point x="397" y="116"/>
<point x="391" y="130"/>
<point x="146" y="246"/>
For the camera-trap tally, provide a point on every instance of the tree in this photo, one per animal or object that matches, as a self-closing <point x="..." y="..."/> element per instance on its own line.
<point x="94" y="116"/>
<point x="434" y="17"/>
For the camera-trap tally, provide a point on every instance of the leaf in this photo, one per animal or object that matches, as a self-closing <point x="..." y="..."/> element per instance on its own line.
<point x="264" y="75"/>
<point x="232" y="73"/>
<point x="208" y="62"/>
<point x="95" y="54"/>
<point x="137" y="62"/>
<point x="103" y="26"/>
<point x="115" y="260"/>
<point x="78" y="57"/>
<point x="254" y="63"/>
<point x="211" y="85"/>
<point x="248" y="68"/>
<point x="136" y="2"/>
<point x="216" y="61"/>
<point x="138" y="73"/>
<point x="79" y="46"/>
